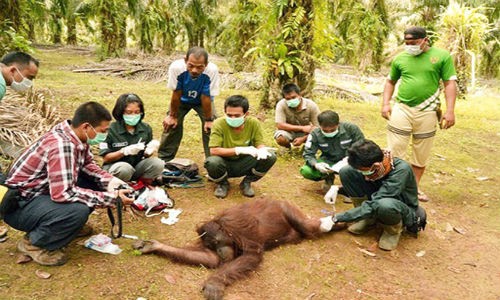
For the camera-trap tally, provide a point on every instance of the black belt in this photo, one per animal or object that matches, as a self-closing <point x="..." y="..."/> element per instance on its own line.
<point x="119" y="211"/>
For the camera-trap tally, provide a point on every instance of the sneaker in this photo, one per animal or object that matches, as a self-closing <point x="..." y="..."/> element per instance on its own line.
<point x="221" y="189"/>
<point x="86" y="230"/>
<point x="246" y="188"/>
<point x="42" y="256"/>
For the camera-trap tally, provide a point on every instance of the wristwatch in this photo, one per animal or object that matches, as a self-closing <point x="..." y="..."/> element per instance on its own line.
<point x="211" y="119"/>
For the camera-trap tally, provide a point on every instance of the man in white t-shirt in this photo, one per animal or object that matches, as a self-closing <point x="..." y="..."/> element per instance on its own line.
<point x="194" y="82"/>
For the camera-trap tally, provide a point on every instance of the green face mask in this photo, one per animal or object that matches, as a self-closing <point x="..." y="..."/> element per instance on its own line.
<point x="100" y="137"/>
<point x="131" y="120"/>
<point x="292" y="103"/>
<point x="329" y="134"/>
<point x="235" y="122"/>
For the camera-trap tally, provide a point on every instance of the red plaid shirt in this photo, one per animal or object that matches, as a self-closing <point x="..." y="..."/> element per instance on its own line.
<point x="51" y="167"/>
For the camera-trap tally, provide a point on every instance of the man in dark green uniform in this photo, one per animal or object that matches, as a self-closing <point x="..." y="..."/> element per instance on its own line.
<point x="383" y="189"/>
<point x="333" y="138"/>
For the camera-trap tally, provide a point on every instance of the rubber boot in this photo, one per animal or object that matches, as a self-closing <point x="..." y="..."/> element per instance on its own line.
<point x="246" y="185"/>
<point x="364" y="225"/>
<point x="390" y="237"/>
<point x="222" y="189"/>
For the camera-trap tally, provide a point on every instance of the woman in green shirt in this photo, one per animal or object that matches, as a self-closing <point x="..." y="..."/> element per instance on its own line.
<point x="129" y="145"/>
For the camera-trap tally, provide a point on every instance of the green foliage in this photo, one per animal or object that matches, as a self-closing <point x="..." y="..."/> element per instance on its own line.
<point x="239" y="32"/>
<point x="10" y="40"/>
<point x="463" y="30"/>
<point x="362" y="28"/>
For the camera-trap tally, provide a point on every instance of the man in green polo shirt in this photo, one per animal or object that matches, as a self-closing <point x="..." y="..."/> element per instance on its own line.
<point x="333" y="138"/>
<point x="417" y="108"/>
<point x="295" y="117"/>
<point x="237" y="149"/>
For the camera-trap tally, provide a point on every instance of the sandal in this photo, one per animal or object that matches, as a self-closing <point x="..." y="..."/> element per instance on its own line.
<point x="423" y="197"/>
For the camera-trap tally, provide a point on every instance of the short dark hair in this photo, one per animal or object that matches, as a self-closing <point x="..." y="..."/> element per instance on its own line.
<point x="289" y="88"/>
<point x="90" y="112"/>
<point x="237" y="101"/>
<point x="415" y="32"/>
<point x="328" y="118"/>
<point x="121" y="105"/>
<point x="364" y="153"/>
<point x="197" y="52"/>
<point x="21" y="58"/>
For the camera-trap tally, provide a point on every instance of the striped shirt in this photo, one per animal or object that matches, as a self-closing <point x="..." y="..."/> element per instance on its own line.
<point x="51" y="166"/>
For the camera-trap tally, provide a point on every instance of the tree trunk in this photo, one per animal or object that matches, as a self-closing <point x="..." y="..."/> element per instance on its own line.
<point x="71" y="24"/>
<point x="302" y="40"/>
<point x="57" y="31"/>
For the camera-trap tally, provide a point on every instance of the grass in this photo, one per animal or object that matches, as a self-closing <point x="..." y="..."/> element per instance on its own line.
<point x="454" y="266"/>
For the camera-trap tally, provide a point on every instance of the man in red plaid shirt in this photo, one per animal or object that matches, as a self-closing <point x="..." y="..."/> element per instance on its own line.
<point x="60" y="185"/>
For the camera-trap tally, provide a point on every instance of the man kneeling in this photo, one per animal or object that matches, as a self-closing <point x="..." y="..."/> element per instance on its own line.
<point x="60" y="185"/>
<point x="383" y="189"/>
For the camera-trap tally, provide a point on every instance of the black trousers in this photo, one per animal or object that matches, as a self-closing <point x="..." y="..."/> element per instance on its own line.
<point x="51" y="225"/>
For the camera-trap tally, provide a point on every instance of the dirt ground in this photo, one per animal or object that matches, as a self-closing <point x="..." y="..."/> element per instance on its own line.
<point x="456" y="257"/>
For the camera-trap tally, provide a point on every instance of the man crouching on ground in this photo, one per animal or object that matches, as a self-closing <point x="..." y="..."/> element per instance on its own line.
<point x="60" y="185"/>
<point x="383" y="190"/>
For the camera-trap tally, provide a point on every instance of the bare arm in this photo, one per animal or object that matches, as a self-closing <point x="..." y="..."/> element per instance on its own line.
<point x="222" y="152"/>
<point x="450" y="93"/>
<point x="112" y="157"/>
<point x="294" y="128"/>
<point x="175" y="102"/>
<point x="206" y="105"/>
<point x="386" y="102"/>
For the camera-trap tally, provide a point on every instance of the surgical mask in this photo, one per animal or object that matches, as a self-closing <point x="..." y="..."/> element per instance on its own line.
<point x="329" y="134"/>
<point x="292" y="103"/>
<point x="22" y="86"/>
<point x="100" y="137"/>
<point x="235" y="122"/>
<point x="132" y="120"/>
<point x="413" y="49"/>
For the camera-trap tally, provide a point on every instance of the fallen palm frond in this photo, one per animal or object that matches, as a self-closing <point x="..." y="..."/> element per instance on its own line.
<point x="23" y="119"/>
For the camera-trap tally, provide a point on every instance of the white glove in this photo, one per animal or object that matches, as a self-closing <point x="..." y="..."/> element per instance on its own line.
<point x="264" y="152"/>
<point x="152" y="147"/>
<point x="114" y="183"/>
<point x="327" y="223"/>
<point x="331" y="196"/>
<point x="133" y="149"/>
<point x="252" y="151"/>
<point x="323" y="167"/>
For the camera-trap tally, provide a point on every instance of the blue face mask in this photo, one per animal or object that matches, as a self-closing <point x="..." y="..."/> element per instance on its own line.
<point x="132" y="120"/>
<point x="292" y="103"/>
<point x="100" y="137"/>
<point x="235" y="122"/>
<point x="329" y="134"/>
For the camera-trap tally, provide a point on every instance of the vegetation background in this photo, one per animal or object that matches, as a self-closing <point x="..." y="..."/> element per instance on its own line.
<point x="258" y="46"/>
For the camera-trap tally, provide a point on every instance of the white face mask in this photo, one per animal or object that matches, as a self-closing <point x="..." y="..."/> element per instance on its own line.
<point x="413" y="50"/>
<point x="22" y="86"/>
